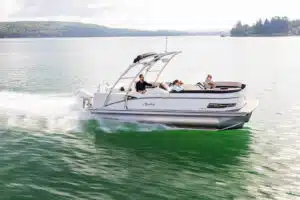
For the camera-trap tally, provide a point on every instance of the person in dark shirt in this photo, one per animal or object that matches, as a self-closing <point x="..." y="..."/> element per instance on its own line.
<point x="141" y="85"/>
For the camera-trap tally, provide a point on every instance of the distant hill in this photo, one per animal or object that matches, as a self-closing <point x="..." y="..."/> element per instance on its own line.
<point x="39" y="29"/>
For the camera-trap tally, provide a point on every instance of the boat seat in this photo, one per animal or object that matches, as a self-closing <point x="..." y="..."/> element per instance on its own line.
<point x="215" y="90"/>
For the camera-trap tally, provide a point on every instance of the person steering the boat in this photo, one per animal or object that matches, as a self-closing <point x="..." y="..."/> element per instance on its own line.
<point x="140" y="86"/>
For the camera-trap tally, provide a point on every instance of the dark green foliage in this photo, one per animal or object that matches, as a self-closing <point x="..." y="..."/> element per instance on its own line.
<point x="277" y="26"/>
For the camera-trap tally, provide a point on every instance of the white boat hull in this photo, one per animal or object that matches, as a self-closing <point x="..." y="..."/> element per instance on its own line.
<point x="211" y="120"/>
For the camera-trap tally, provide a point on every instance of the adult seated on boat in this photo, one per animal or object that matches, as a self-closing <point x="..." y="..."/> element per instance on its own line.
<point x="140" y="86"/>
<point x="177" y="86"/>
<point x="209" y="83"/>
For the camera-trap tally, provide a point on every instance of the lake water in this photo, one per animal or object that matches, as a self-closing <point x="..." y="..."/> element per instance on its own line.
<point x="50" y="150"/>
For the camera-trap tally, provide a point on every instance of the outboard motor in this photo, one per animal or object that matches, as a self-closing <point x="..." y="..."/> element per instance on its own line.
<point x="86" y="98"/>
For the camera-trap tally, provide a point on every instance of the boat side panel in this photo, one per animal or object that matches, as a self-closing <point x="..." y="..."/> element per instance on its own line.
<point x="177" y="104"/>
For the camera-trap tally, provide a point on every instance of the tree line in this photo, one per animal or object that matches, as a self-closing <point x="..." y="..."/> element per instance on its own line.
<point x="276" y="26"/>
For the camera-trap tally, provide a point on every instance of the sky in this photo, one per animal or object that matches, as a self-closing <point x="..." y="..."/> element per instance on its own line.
<point x="193" y="15"/>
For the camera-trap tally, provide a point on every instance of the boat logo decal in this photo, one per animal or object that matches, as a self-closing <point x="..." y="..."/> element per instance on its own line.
<point x="149" y="104"/>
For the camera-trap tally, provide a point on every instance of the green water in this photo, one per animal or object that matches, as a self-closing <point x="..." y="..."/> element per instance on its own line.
<point x="49" y="149"/>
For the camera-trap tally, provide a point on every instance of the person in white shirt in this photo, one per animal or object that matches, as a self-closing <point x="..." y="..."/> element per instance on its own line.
<point x="177" y="86"/>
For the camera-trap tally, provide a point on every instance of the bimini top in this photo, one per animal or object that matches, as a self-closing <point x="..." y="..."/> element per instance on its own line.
<point x="146" y="64"/>
<point x="143" y="56"/>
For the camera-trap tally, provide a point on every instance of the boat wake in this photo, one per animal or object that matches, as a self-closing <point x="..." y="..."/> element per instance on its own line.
<point x="54" y="113"/>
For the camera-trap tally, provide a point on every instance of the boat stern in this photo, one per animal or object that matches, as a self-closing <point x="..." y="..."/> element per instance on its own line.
<point x="243" y="116"/>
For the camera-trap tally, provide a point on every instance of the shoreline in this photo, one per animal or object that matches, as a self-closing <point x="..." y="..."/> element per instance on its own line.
<point x="123" y="36"/>
<point x="265" y="36"/>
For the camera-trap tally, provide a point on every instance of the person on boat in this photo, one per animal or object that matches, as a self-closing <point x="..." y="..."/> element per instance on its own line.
<point x="140" y="86"/>
<point x="209" y="83"/>
<point x="177" y="86"/>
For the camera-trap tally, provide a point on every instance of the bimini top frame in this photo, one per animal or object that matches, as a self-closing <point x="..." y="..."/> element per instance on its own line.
<point x="145" y="62"/>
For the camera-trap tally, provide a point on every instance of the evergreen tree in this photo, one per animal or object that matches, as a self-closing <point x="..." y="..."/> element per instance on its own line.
<point x="275" y="26"/>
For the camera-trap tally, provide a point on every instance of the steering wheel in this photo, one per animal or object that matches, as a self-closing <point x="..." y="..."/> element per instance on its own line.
<point x="200" y="85"/>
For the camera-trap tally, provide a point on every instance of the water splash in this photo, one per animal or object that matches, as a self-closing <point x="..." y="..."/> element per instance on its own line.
<point x="58" y="113"/>
<point x="97" y="124"/>
<point x="45" y="112"/>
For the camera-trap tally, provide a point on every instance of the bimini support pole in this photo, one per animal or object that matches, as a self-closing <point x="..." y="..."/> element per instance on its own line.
<point x="166" y="46"/>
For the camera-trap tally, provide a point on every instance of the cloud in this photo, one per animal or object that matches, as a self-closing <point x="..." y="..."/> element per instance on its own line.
<point x="55" y="8"/>
<point x="8" y="7"/>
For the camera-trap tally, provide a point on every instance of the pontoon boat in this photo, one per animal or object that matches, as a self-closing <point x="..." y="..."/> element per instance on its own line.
<point x="223" y="107"/>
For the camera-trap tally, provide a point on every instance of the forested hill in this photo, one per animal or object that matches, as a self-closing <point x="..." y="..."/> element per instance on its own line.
<point x="276" y="26"/>
<point x="35" y="29"/>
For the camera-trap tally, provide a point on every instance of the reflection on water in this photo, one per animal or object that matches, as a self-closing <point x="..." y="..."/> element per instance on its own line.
<point x="176" y="164"/>
<point x="134" y="164"/>
<point x="225" y="146"/>
<point x="95" y="164"/>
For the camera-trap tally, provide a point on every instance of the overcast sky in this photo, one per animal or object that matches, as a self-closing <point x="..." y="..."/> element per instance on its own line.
<point x="150" y="14"/>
